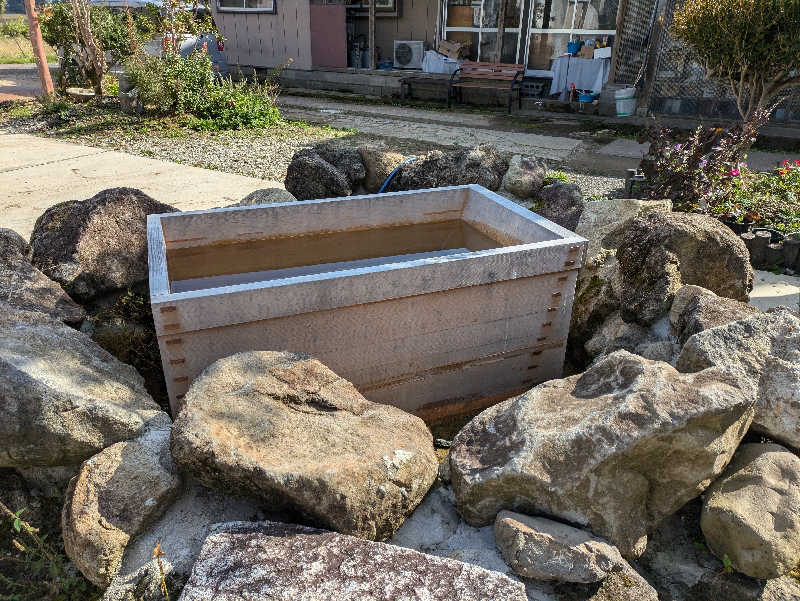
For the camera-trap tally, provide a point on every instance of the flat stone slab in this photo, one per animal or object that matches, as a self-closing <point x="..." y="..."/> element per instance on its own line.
<point x="625" y="148"/>
<point x="270" y="561"/>
<point x="36" y="173"/>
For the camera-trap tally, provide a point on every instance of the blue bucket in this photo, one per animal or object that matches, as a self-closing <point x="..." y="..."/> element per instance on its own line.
<point x="574" y="47"/>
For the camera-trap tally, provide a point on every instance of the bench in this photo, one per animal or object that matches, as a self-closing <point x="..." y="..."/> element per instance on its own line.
<point x="482" y="75"/>
<point x="407" y="82"/>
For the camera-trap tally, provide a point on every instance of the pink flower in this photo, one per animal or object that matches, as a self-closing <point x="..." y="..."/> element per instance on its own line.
<point x="734" y="172"/>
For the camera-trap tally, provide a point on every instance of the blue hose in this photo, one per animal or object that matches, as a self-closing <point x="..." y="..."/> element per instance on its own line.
<point x="392" y="174"/>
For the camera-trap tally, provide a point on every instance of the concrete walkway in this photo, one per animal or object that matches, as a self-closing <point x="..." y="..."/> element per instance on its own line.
<point x="20" y="82"/>
<point x="36" y="173"/>
<point x="438" y="127"/>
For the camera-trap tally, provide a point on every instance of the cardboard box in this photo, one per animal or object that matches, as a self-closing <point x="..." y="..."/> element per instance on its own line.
<point x="603" y="52"/>
<point x="586" y="52"/>
<point x="451" y="49"/>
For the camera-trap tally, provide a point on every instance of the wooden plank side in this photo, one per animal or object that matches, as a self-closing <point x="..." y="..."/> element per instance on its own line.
<point x="388" y="341"/>
<point x="277" y="298"/>
<point x="381" y="342"/>
<point x="445" y="392"/>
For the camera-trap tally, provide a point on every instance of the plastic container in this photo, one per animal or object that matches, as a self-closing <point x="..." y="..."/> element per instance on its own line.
<point x="574" y="47"/>
<point x="626" y="103"/>
<point x="586" y="97"/>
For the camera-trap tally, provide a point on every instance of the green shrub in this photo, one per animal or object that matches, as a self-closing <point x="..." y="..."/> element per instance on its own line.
<point x="171" y="84"/>
<point x="751" y="45"/>
<point x="14" y="28"/>
<point x="237" y="105"/>
<point x="176" y="85"/>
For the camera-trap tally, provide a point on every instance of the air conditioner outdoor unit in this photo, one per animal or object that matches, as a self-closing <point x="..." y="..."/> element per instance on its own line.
<point x="408" y="55"/>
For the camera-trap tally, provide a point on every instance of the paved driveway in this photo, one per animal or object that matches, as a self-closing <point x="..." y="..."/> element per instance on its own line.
<point x="36" y="173"/>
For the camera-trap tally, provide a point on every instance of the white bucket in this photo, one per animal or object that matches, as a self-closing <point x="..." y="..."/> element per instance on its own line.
<point x="626" y="103"/>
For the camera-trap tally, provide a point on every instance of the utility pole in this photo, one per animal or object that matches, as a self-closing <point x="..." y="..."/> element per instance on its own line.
<point x="35" y="34"/>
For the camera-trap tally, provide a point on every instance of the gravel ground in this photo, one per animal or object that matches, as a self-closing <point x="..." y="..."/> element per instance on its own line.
<point x="254" y="153"/>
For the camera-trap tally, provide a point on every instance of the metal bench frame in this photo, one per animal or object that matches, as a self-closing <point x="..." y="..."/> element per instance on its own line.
<point x="481" y="75"/>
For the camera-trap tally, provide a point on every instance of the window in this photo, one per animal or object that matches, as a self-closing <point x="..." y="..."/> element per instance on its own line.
<point x="263" y="6"/>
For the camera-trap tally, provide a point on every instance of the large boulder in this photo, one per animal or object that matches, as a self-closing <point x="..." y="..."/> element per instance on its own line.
<point x="62" y="397"/>
<point x="284" y="428"/>
<point x="114" y="497"/>
<point x="26" y="288"/>
<point x="542" y="549"/>
<point x="482" y="165"/>
<point x="525" y="176"/>
<point x="94" y="246"/>
<point x="286" y="562"/>
<point x="750" y="514"/>
<point x="378" y="165"/>
<point x="764" y="351"/>
<point x="615" y="449"/>
<point x="265" y="196"/>
<point x="561" y="203"/>
<point x="309" y="176"/>
<point x="661" y="252"/>
<point x="599" y="287"/>
<point x="347" y="160"/>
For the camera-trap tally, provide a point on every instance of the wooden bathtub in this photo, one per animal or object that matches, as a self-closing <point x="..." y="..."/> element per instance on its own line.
<point x="436" y="301"/>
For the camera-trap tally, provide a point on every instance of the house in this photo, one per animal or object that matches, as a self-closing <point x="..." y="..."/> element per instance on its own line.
<point x="349" y="45"/>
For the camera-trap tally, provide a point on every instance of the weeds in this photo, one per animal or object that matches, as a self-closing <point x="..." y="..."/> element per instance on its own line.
<point x="556" y="176"/>
<point x="38" y="570"/>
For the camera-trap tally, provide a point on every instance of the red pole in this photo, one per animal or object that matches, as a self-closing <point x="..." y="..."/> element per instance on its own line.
<point x="35" y="34"/>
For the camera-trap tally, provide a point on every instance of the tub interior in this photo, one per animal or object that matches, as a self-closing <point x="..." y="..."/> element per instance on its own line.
<point x="222" y="248"/>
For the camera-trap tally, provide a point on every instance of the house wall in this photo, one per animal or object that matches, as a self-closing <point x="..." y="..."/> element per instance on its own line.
<point x="418" y="22"/>
<point x="268" y="40"/>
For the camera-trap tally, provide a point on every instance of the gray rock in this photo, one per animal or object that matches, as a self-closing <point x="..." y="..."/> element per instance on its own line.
<point x="660" y="350"/>
<point x="309" y="176"/>
<point x="94" y="246"/>
<point x="603" y="222"/>
<point x="115" y="496"/>
<point x="616" y="334"/>
<point x="683" y="296"/>
<point x="142" y="585"/>
<point x="599" y="287"/>
<point x="624" y="585"/>
<point x="561" y="203"/>
<point x="750" y="513"/>
<point x="287" y="562"/>
<point x="284" y="428"/>
<point x="714" y="586"/>
<point x="379" y="165"/>
<point x="181" y="531"/>
<point x="665" y="437"/>
<point x="347" y="160"/>
<point x="704" y="311"/>
<point x="681" y="568"/>
<point x="662" y="252"/>
<point x="482" y="165"/>
<point x="525" y="176"/>
<point x="265" y="196"/>
<point x="546" y="550"/>
<point x="62" y="397"/>
<point x="26" y="288"/>
<point x="764" y="352"/>
<point x="13" y="246"/>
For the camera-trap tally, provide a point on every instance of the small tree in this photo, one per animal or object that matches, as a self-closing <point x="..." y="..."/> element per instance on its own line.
<point x="752" y="45"/>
